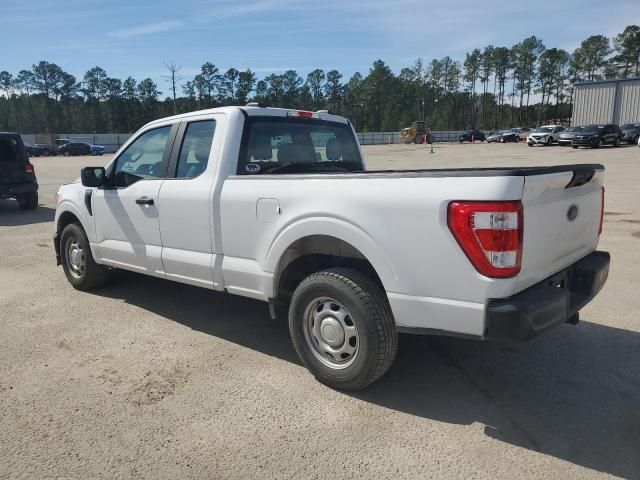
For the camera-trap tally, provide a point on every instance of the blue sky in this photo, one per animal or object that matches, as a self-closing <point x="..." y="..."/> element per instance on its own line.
<point x="137" y="37"/>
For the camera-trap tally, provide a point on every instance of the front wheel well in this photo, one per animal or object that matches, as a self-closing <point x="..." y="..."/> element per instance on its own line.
<point x="316" y="253"/>
<point x="65" y="219"/>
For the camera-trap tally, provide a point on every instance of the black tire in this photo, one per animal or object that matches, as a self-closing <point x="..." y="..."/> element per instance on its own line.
<point x="598" y="145"/>
<point x="67" y="153"/>
<point x="550" y="141"/>
<point x="574" y="146"/>
<point x="530" y="144"/>
<point x="28" y="201"/>
<point x="366" y="305"/>
<point x="616" y="142"/>
<point x="91" y="275"/>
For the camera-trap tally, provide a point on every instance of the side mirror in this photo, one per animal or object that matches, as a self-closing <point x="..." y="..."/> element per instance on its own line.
<point x="93" y="176"/>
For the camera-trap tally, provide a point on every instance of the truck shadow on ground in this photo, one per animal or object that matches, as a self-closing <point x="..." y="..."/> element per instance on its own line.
<point x="573" y="393"/>
<point x="11" y="215"/>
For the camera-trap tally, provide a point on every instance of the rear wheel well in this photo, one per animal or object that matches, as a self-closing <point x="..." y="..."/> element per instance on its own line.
<point x="313" y="254"/>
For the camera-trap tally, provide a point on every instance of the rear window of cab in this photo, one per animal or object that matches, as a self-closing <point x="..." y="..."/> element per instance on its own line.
<point x="292" y="145"/>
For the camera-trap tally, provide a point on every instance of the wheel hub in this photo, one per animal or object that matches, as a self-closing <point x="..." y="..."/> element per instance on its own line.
<point x="332" y="332"/>
<point x="76" y="261"/>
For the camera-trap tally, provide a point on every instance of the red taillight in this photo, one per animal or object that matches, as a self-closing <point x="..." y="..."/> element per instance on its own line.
<point x="28" y="168"/>
<point x="490" y="234"/>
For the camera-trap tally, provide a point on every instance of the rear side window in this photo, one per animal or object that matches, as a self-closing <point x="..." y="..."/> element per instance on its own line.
<point x="282" y="145"/>
<point x="9" y="150"/>
<point x="195" y="149"/>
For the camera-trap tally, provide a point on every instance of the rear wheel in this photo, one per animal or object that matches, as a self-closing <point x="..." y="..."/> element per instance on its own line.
<point x="82" y="272"/>
<point x="28" y="201"/>
<point x="342" y="328"/>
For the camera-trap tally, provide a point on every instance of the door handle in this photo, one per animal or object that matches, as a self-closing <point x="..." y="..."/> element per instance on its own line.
<point x="144" y="201"/>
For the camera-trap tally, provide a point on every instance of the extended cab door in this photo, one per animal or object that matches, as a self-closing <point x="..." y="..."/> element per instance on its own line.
<point x="126" y="211"/>
<point x="187" y="216"/>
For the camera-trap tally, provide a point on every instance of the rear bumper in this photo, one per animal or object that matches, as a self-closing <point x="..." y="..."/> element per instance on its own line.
<point x="11" y="189"/>
<point x="551" y="302"/>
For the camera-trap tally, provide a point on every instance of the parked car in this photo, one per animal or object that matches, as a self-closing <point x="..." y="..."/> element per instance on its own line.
<point x="630" y="133"/>
<point x="253" y="219"/>
<point x="566" y="136"/>
<point x="75" y="148"/>
<point x="34" y="150"/>
<point x="545" y="135"/>
<point x="97" y="149"/>
<point x="495" y="136"/>
<point x="472" y="135"/>
<point x="512" y="135"/>
<point x="17" y="175"/>
<point x="596" y="136"/>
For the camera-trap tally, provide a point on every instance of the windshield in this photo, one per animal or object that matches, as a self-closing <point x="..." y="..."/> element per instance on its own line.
<point x="544" y="130"/>
<point x="284" y="145"/>
<point x="593" y="128"/>
<point x="574" y="129"/>
<point x="630" y="126"/>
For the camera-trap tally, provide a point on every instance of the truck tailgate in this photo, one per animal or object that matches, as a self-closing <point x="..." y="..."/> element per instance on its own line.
<point x="562" y="214"/>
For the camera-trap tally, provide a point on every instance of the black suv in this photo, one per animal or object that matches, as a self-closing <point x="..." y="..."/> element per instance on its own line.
<point x="17" y="177"/>
<point x="472" y="135"/>
<point x="597" y="135"/>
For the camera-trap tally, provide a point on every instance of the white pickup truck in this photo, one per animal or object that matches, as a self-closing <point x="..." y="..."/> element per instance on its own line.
<point x="277" y="205"/>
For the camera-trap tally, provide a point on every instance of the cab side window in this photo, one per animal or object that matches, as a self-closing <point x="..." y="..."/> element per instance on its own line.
<point x="195" y="149"/>
<point x="143" y="158"/>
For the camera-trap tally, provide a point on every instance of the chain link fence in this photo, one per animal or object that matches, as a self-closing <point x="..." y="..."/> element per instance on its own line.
<point x="113" y="141"/>
<point x="391" y="138"/>
<point x="110" y="141"/>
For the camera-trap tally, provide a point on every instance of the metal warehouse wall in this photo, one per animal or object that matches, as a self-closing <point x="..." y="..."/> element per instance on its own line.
<point x="615" y="101"/>
<point x="628" y="102"/>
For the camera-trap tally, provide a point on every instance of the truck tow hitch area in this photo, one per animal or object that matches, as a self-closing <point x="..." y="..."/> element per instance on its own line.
<point x="553" y="301"/>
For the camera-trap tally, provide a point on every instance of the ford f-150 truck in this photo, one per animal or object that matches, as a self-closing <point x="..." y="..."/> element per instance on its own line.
<point x="278" y="205"/>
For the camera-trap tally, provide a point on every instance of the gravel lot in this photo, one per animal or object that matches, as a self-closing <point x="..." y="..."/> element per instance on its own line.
<point x="152" y="379"/>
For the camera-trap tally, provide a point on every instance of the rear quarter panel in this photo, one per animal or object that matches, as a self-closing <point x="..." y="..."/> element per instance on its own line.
<point x="399" y="224"/>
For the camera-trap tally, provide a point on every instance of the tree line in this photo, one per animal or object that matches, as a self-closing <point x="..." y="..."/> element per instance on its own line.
<point x="491" y="88"/>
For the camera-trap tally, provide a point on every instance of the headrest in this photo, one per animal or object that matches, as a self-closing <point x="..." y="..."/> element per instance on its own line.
<point x="333" y="149"/>
<point x="260" y="147"/>
<point x="288" y="152"/>
<point x="201" y="149"/>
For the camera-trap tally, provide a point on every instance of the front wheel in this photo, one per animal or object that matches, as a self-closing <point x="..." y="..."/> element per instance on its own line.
<point x="81" y="270"/>
<point x="616" y="142"/>
<point x="342" y="328"/>
<point x="549" y="142"/>
<point x="67" y="153"/>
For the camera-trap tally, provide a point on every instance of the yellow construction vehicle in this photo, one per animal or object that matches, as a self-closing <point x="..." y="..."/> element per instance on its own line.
<point x="414" y="134"/>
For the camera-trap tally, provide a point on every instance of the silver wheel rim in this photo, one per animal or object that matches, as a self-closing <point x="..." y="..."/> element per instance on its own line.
<point x="75" y="258"/>
<point x="331" y="333"/>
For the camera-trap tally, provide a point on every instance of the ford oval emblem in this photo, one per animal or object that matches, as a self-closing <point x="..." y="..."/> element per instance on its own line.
<point x="572" y="213"/>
